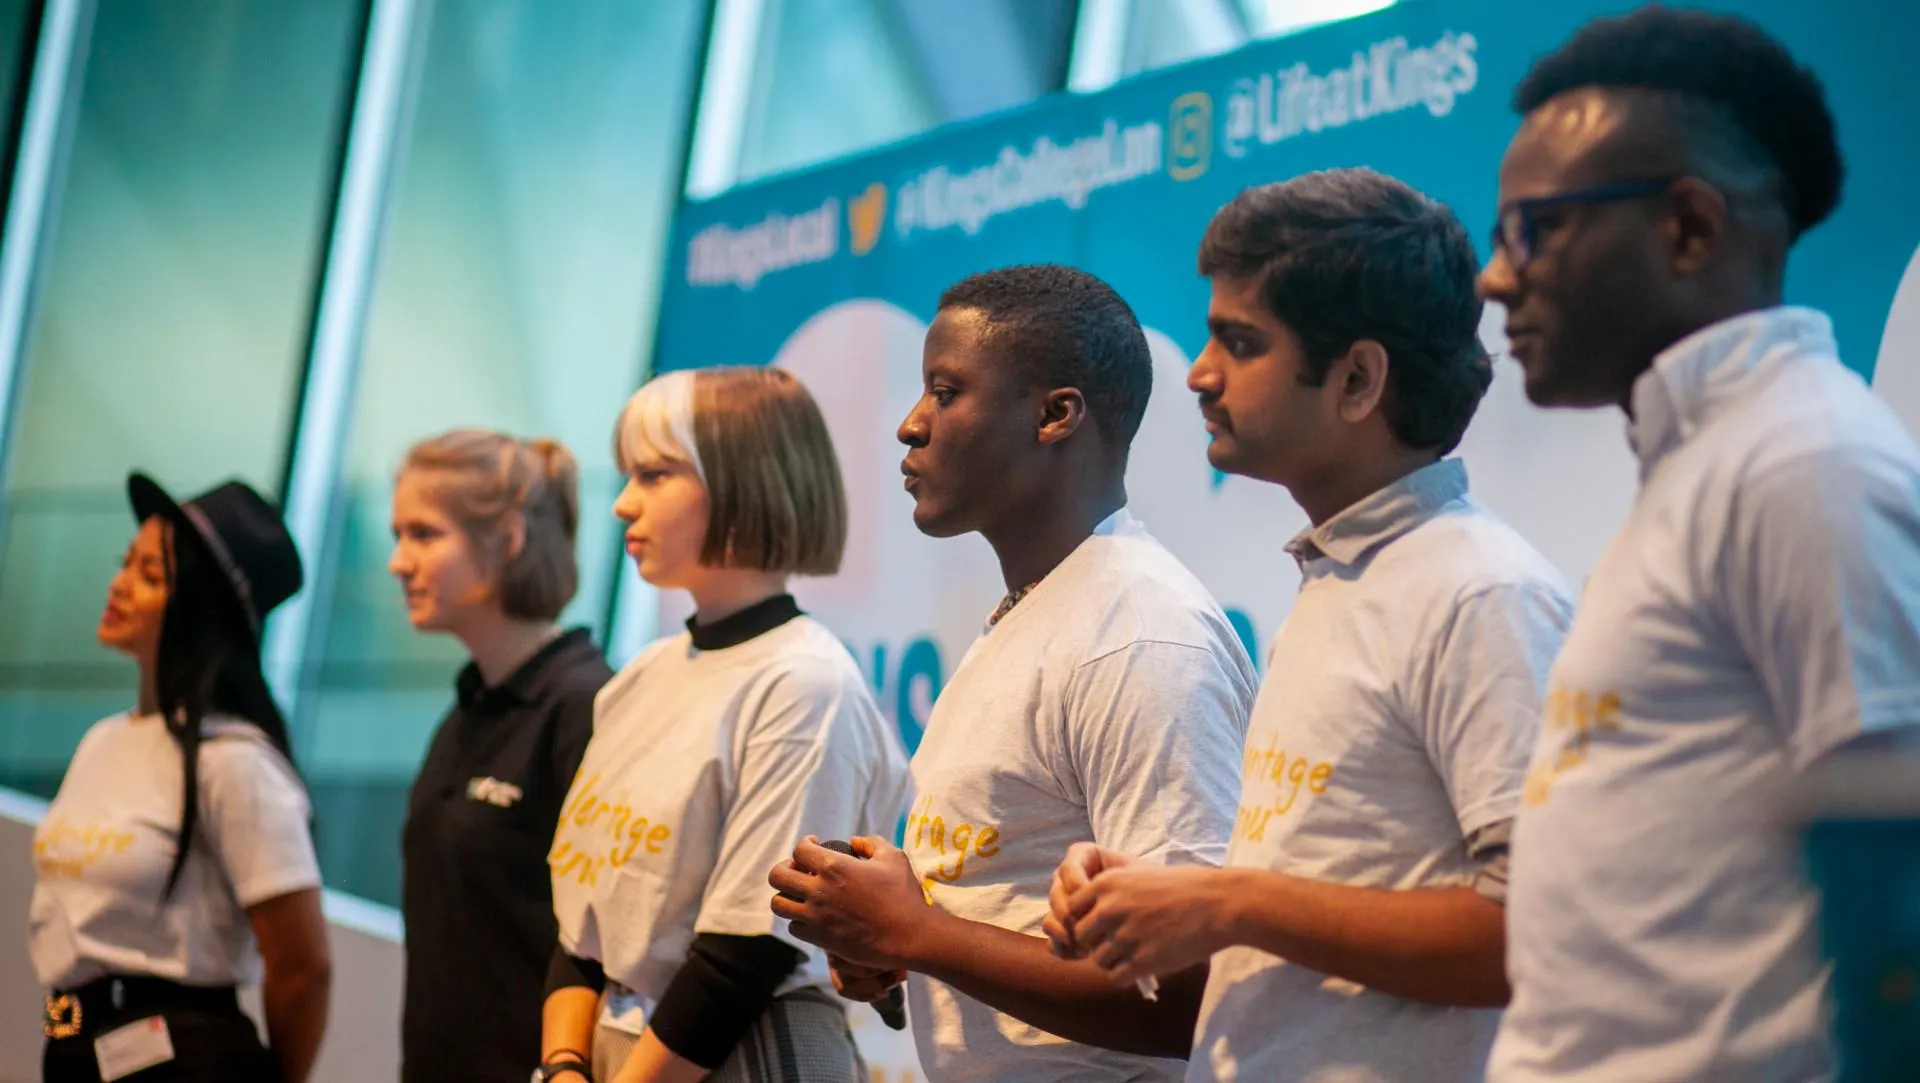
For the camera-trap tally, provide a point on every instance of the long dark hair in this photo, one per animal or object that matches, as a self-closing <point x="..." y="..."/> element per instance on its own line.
<point x="208" y="663"/>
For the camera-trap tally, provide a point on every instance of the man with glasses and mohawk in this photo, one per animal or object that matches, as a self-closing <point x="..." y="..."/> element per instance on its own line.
<point x="1760" y="608"/>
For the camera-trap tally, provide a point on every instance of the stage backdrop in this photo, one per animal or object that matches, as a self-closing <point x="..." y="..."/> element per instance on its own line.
<point x="834" y="273"/>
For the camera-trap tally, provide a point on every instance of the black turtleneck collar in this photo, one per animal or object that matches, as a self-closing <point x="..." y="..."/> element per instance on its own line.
<point x="755" y="620"/>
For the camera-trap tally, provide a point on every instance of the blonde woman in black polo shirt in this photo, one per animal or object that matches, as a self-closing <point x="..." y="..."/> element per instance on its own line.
<point x="483" y="528"/>
<point x="714" y="752"/>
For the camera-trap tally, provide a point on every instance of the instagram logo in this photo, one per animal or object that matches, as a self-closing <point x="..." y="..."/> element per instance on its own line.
<point x="1190" y="136"/>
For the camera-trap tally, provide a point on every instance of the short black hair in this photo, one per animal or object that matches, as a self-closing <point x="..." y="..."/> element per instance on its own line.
<point x="1725" y="62"/>
<point x="1072" y="330"/>
<point x="1350" y="254"/>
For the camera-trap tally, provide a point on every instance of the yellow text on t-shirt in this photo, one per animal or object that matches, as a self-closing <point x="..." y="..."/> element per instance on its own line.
<point x="613" y="825"/>
<point x="929" y="833"/>
<point x="64" y="851"/>
<point x="1575" y="717"/>
<point x="1291" y="777"/>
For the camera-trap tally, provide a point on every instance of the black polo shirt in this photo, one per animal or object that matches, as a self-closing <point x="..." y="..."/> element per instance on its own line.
<point x="476" y="895"/>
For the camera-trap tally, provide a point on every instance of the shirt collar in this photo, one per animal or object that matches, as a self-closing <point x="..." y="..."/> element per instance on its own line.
<point x="523" y="685"/>
<point x="1691" y="380"/>
<point x="755" y="620"/>
<point x="1348" y="537"/>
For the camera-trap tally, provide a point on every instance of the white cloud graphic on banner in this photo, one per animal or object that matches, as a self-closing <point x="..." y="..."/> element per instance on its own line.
<point x="861" y="361"/>
<point x="1896" y="373"/>
<point x="1563" y="478"/>
<point x="1233" y="535"/>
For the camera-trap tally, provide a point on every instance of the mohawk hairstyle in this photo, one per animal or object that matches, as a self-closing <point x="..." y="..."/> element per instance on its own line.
<point x="1725" y="62"/>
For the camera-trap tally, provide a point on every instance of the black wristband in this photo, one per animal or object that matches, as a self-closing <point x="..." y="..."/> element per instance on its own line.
<point x="555" y="1069"/>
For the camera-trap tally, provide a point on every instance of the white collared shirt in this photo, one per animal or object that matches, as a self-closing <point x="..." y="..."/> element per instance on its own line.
<point x="1760" y="608"/>
<point x="1109" y="705"/>
<point x="1401" y="703"/>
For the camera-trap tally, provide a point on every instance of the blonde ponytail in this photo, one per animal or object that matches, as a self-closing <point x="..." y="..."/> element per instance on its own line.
<point x="486" y="478"/>
<point x="561" y="472"/>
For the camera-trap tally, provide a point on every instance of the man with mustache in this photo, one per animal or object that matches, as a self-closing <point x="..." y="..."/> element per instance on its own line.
<point x="1356" y="934"/>
<point x="1760" y="608"/>
<point x="1107" y="699"/>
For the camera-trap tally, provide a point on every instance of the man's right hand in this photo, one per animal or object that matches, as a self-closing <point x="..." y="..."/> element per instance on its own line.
<point x="863" y="983"/>
<point x="1083" y="862"/>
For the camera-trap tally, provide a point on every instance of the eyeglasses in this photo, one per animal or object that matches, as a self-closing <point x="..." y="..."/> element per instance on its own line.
<point x="1516" y="232"/>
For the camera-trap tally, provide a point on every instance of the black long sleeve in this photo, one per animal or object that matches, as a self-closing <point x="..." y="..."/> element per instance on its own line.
<point x="572" y="972"/>
<point x="726" y="985"/>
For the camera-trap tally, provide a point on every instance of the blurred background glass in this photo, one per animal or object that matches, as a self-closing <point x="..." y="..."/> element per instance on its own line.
<point x="516" y="292"/>
<point x="170" y="318"/>
<point x="838" y="76"/>
<point x="1121" y="38"/>
<point x="542" y="150"/>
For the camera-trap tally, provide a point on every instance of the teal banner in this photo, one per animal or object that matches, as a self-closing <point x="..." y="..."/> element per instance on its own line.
<point x="835" y="272"/>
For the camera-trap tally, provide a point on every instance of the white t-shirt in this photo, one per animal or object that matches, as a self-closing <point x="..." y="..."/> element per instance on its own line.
<point x="1401" y="702"/>
<point x="1760" y="607"/>
<point x="102" y="853"/>
<point x="705" y="768"/>
<point x="1109" y="705"/>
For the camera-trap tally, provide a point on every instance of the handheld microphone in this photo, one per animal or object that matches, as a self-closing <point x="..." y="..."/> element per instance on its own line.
<point x="892" y="1006"/>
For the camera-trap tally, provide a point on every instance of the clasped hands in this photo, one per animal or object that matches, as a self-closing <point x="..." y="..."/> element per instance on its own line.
<point x="868" y="912"/>
<point x="871" y="915"/>
<point x="1133" y="919"/>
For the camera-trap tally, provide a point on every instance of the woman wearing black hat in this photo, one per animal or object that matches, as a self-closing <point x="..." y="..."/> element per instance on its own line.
<point x="176" y="858"/>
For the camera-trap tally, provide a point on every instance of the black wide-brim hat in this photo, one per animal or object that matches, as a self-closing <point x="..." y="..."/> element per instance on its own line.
<point x="243" y="534"/>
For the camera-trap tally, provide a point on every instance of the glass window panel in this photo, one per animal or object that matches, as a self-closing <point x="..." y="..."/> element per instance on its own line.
<point x="1274" y="18"/>
<point x="833" y="77"/>
<point x="830" y="81"/>
<point x="18" y="28"/>
<point x="170" y="327"/>
<point x="516" y="291"/>
<point x="1164" y="32"/>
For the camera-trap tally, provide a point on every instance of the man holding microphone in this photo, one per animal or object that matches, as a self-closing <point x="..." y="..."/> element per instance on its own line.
<point x="1106" y="699"/>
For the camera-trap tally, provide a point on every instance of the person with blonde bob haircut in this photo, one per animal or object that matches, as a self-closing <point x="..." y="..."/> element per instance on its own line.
<point x="483" y="529"/>
<point x="715" y="751"/>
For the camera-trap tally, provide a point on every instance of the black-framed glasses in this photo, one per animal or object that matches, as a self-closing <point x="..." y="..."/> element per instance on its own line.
<point x="1516" y="232"/>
